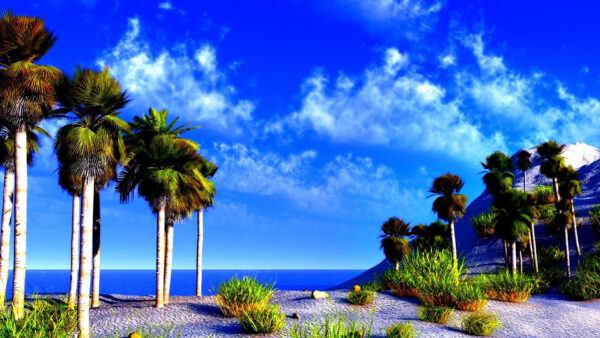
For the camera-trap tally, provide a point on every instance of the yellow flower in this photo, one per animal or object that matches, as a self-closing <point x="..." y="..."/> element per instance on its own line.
<point x="356" y="288"/>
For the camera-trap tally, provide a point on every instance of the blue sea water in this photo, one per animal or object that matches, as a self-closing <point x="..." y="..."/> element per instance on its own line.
<point x="183" y="282"/>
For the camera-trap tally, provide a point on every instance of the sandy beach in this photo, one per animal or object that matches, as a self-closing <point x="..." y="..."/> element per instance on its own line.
<point x="548" y="315"/>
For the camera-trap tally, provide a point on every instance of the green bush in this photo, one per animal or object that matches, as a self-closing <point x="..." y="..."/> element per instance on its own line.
<point x="44" y="317"/>
<point x="550" y="256"/>
<point x="481" y="324"/>
<point x="237" y="296"/>
<point x="484" y="224"/>
<point x="595" y="218"/>
<point x="470" y="297"/>
<point x="333" y="325"/>
<point x="435" y="314"/>
<point x="401" y="282"/>
<point x="362" y="297"/>
<point x="586" y="283"/>
<point x="544" y="194"/>
<point x="401" y="330"/>
<point x="505" y="286"/>
<point x="435" y="236"/>
<point x="265" y="320"/>
<point x="546" y="278"/>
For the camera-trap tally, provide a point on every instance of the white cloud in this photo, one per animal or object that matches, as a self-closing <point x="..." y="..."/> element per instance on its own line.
<point x="193" y="87"/>
<point x="166" y="5"/>
<point x="490" y="63"/>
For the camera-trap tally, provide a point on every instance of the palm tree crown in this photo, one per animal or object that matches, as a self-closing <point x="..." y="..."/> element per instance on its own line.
<point x="498" y="177"/>
<point x="449" y="205"/>
<point x="23" y="38"/>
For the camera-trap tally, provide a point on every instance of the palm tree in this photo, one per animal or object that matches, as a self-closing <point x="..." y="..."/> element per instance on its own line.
<point x="549" y="153"/>
<point x="498" y="179"/>
<point x="27" y="95"/>
<point x="435" y="236"/>
<point x="208" y="170"/>
<point x="513" y="210"/>
<point x="7" y="160"/>
<point x="569" y="187"/>
<point x="161" y="169"/>
<point x="524" y="164"/>
<point x="90" y="147"/>
<point x="449" y="205"/>
<point x="394" y="241"/>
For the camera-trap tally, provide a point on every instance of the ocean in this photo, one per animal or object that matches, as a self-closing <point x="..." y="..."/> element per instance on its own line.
<point x="183" y="282"/>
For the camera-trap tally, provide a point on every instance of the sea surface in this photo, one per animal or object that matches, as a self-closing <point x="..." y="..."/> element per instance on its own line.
<point x="183" y="282"/>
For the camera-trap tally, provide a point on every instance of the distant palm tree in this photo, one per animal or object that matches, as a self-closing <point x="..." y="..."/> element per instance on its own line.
<point x="90" y="147"/>
<point x="27" y="96"/>
<point x="435" y="236"/>
<point x="524" y="164"/>
<point x="569" y="187"/>
<point x="449" y="205"/>
<point x="161" y="169"/>
<point x="394" y="241"/>
<point x="513" y="210"/>
<point x="7" y="160"/>
<point x="208" y="170"/>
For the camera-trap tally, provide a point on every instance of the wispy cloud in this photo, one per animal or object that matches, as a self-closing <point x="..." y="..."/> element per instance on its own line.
<point x="192" y="86"/>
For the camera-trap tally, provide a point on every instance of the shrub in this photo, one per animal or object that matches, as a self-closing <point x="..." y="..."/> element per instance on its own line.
<point x="265" y="320"/>
<point x="404" y="330"/>
<point x="506" y="287"/>
<point x="546" y="278"/>
<point x="333" y="325"/>
<point x="435" y="236"/>
<point x="544" y="194"/>
<point x="470" y="297"/>
<point x="484" y="224"/>
<point x="44" y="317"/>
<point x="361" y="297"/>
<point x="595" y="218"/>
<point x="401" y="282"/>
<point x="550" y="256"/>
<point x="481" y="324"/>
<point x="237" y="296"/>
<point x="586" y="283"/>
<point x="435" y="314"/>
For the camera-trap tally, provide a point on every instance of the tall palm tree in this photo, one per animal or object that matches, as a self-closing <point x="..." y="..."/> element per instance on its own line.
<point x="27" y="95"/>
<point x="90" y="146"/>
<point x="513" y="210"/>
<point x="449" y="205"/>
<point x="208" y="170"/>
<point x="161" y="168"/>
<point x="394" y="240"/>
<point x="524" y="164"/>
<point x="7" y="160"/>
<point x="569" y="187"/>
<point x="498" y="178"/>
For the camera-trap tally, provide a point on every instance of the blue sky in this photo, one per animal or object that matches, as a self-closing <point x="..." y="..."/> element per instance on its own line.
<point x="326" y="117"/>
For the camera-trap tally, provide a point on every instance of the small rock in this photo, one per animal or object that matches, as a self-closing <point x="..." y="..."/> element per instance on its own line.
<point x="295" y="315"/>
<point x="316" y="294"/>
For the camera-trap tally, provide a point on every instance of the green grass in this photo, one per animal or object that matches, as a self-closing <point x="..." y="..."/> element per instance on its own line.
<point x="505" y="286"/>
<point x="362" y="297"/>
<point x="397" y="280"/>
<point x="44" y="317"/>
<point x="550" y="256"/>
<point x="595" y="218"/>
<point x="547" y="278"/>
<point x="484" y="224"/>
<point x="335" y="325"/>
<point x="401" y="330"/>
<point x="586" y="283"/>
<point x="265" y="320"/>
<point x="470" y="297"/>
<point x="435" y="314"/>
<point x="237" y="296"/>
<point x="374" y="285"/>
<point x="481" y="324"/>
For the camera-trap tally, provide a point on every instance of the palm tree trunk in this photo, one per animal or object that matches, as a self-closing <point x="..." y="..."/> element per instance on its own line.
<point x="577" y="247"/>
<point x="85" y="257"/>
<point x="20" y="241"/>
<point x="7" y="206"/>
<point x="555" y="185"/>
<point x="521" y="261"/>
<point x="506" y="262"/>
<point x="531" y="258"/>
<point x="200" y="242"/>
<point x="397" y="266"/>
<point x="168" y="261"/>
<point x="96" y="252"/>
<point x="514" y="258"/>
<point x="524" y="181"/>
<point x="160" y="257"/>
<point x="74" y="250"/>
<point x="534" y="247"/>
<point x="567" y="252"/>
<point x="453" y="239"/>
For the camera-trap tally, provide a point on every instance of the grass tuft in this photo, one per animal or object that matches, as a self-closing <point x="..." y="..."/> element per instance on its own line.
<point x="550" y="256"/>
<point x="401" y="330"/>
<point x="435" y="314"/>
<point x="481" y="324"/>
<point x="266" y="320"/>
<point x="470" y="297"/>
<point x="586" y="283"/>
<point x="333" y="325"/>
<point x="44" y="317"/>
<point x="506" y="287"/>
<point x="236" y="296"/>
<point x="361" y="297"/>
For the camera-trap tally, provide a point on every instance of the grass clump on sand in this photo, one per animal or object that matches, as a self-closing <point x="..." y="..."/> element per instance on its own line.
<point x="266" y="320"/>
<point x="333" y="325"/>
<point x="481" y="324"/>
<point x="44" y="317"/>
<point x="236" y="296"/>
<point x="401" y="330"/>
<point x="435" y="314"/>
<point x="547" y="278"/>
<point x="470" y="297"/>
<point x="360" y="297"/>
<point x="550" y="256"/>
<point x="586" y="283"/>
<point x="506" y="287"/>
<point x="400" y="282"/>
